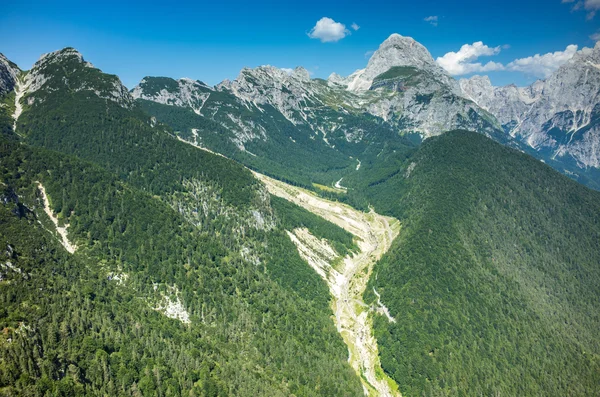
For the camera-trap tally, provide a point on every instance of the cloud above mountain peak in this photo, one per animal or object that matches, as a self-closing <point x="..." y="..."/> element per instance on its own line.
<point x="462" y="62"/>
<point x="329" y="31"/>
<point x="539" y="65"/>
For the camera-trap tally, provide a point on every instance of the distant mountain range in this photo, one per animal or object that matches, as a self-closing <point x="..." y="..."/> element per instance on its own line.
<point x="404" y="91"/>
<point x="558" y="118"/>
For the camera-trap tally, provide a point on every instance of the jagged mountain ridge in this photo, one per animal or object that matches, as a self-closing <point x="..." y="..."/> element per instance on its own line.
<point x="509" y="104"/>
<point x="268" y="109"/>
<point x="285" y="125"/>
<point x="307" y="130"/>
<point x="558" y="117"/>
<point x="429" y="108"/>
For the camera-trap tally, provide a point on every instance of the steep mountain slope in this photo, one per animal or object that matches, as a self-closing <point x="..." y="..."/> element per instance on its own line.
<point x="494" y="276"/>
<point x="413" y="93"/>
<point x="309" y="130"/>
<point x="71" y="107"/>
<point x="9" y="73"/>
<point x="510" y="104"/>
<point x="268" y="117"/>
<point x="255" y="134"/>
<point x="557" y="118"/>
<point x="178" y="279"/>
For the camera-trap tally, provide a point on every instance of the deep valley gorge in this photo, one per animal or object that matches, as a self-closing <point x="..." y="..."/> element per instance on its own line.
<point x="396" y="231"/>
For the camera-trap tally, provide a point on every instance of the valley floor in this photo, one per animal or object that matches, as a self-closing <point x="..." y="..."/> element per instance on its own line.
<point x="347" y="279"/>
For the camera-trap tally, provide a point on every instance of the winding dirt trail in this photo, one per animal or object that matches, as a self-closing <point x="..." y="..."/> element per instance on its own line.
<point x="348" y="280"/>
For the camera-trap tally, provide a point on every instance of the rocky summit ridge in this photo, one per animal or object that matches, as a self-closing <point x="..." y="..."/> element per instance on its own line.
<point x="404" y="88"/>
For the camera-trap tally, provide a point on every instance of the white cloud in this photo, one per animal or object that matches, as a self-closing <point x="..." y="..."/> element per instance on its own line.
<point x="369" y="53"/>
<point x="328" y="31"/>
<point x="543" y="65"/>
<point x="355" y="26"/>
<point x="591" y="6"/>
<point x="595" y="36"/>
<point x="433" y="19"/>
<point x="288" y="70"/>
<point x="462" y="62"/>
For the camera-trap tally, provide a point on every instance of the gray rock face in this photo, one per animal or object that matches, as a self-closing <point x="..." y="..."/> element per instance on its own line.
<point x="404" y="85"/>
<point x="8" y="75"/>
<point x="239" y="118"/>
<point x="396" y="51"/>
<point x="509" y="104"/>
<point x="288" y="92"/>
<point x="418" y="96"/>
<point x="560" y="115"/>
<point x="185" y="92"/>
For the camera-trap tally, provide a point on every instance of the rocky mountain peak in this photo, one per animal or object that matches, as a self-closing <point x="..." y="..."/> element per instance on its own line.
<point x="271" y="75"/>
<point x="475" y="83"/>
<point x="64" y="55"/>
<point x="300" y="73"/>
<point x="587" y="56"/>
<point x="398" y="50"/>
<point x="67" y="70"/>
<point x="335" y="78"/>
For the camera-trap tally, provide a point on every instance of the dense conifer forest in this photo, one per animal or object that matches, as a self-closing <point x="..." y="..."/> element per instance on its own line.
<point x="495" y="276"/>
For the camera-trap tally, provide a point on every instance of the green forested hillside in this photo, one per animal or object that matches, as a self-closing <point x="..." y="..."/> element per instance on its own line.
<point x="289" y="152"/>
<point x="495" y="277"/>
<point x="70" y="326"/>
<point x="320" y="148"/>
<point x="124" y="142"/>
<point x="159" y="227"/>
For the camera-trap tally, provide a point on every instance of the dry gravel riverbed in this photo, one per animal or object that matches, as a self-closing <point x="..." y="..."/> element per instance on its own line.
<point x="348" y="280"/>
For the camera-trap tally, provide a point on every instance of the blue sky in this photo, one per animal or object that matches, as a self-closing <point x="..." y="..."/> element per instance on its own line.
<point x="212" y="41"/>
